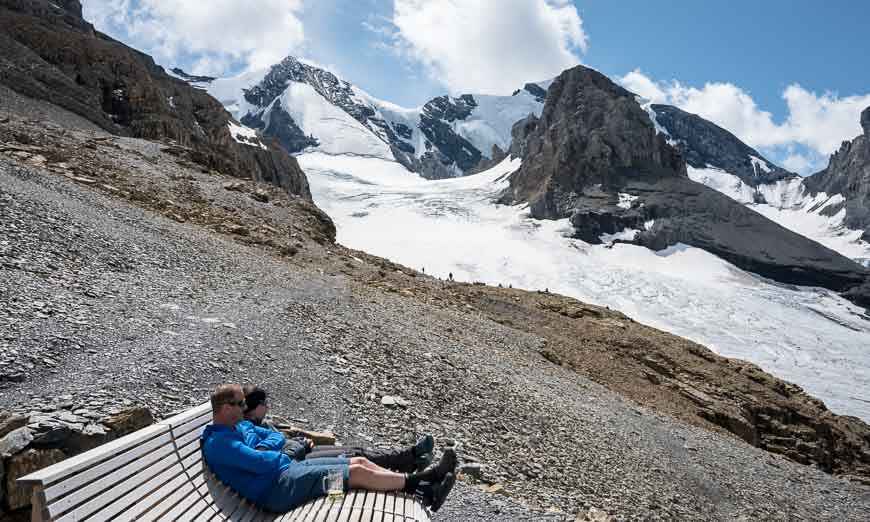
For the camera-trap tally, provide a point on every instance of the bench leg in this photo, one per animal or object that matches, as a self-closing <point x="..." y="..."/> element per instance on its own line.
<point x="38" y="512"/>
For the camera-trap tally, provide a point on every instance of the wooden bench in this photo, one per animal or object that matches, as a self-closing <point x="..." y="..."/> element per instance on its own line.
<point x="158" y="473"/>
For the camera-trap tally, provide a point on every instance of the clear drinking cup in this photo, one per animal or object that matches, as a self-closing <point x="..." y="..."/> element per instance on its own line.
<point x="333" y="483"/>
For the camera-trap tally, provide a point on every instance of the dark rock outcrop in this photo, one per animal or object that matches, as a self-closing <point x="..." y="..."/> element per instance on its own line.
<point x="703" y="143"/>
<point x="591" y="132"/>
<point x="443" y="144"/>
<point x="281" y="127"/>
<point x="594" y="142"/>
<point x="848" y="174"/>
<point x="192" y="77"/>
<point x="48" y="52"/>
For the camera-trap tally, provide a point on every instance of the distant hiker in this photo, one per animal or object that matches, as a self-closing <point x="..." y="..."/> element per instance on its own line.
<point x="255" y="467"/>
<point x="408" y="460"/>
<point x="424" y="269"/>
<point x="450" y="276"/>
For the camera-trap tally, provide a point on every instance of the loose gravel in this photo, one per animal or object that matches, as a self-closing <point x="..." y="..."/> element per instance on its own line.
<point x="105" y="303"/>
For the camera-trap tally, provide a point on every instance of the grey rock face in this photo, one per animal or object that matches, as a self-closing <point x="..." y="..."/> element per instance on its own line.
<point x="703" y="143"/>
<point x="281" y="127"/>
<point x="594" y="141"/>
<point x="591" y="132"/>
<point x="452" y="148"/>
<point x="48" y="52"/>
<point x="848" y="173"/>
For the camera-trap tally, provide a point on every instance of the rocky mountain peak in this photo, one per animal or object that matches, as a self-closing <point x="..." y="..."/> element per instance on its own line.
<point x="848" y="173"/>
<point x="592" y="133"/>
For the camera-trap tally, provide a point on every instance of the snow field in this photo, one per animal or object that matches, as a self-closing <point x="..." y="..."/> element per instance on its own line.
<point x="808" y="336"/>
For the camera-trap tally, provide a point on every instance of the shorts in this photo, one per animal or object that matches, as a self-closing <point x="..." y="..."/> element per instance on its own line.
<point x="303" y="481"/>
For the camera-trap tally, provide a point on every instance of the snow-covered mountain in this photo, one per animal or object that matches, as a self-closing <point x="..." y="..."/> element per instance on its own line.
<point x="357" y="152"/>
<point x="309" y="108"/>
<point x="718" y="159"/>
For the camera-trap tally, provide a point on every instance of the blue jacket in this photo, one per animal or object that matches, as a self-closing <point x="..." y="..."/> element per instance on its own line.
<point x="259" y="437"/>
<point x="239" y="465"/>
<point x="254" y="434"/>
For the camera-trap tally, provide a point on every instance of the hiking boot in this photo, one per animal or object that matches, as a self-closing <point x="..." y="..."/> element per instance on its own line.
<point x="423" y="452"/>
<point x="446" y="465"/>
<point x="435" y="493"/>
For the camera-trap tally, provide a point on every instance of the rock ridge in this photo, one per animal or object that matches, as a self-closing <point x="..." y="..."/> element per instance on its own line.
<point x="49" y="52"/>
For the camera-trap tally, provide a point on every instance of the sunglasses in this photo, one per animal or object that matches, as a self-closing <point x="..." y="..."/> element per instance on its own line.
<point x="240" y="404"/>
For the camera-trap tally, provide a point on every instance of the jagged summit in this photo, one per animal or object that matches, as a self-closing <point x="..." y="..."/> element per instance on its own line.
<point x="306" y="107"/>
<point x="704" y="144"/>
<point x="848" y="174"/>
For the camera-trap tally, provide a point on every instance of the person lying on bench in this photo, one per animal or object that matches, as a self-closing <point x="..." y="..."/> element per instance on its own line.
<point x="276" y="482"/>
<point x="408" y="460"/>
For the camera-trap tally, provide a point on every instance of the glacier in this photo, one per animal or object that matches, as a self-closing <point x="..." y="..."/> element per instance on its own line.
<point x="787" y="203"/>
<point x="809" y="336"/>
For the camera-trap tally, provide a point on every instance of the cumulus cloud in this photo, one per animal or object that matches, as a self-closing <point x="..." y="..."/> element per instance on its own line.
<point x="488" y="46"/>
<point x="214" y="36"/>
<point x="817" y="123"/>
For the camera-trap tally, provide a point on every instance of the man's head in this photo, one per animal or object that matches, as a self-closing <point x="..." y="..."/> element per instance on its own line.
<point x="256" y="405"/>
<point x="227" y="404"/>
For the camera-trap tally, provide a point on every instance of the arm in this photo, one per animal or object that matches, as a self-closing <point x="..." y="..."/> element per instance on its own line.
<point x="260" y="438"/>
<point x="237" y="454"/>
<point x="269" y="440"/>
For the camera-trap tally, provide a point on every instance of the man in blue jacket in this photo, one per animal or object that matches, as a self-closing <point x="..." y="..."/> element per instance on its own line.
<point x="270" y="479"/>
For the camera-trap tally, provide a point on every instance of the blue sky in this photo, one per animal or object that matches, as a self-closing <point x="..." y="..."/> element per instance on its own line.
<point x="788" y="77"/>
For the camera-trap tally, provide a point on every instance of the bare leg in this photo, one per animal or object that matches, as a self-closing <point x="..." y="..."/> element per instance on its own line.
<point x="362" y="461"/>
<point x="363" y="477"/>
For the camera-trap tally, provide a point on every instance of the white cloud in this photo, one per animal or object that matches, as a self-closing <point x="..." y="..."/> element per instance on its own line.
<point x="488" y="46"/>
<point x="214" y="35"/>
<point x="823" y="122"/>
<point x="817" y="123"/>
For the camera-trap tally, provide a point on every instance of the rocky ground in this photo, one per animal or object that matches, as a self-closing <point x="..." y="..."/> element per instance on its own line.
<point x="131" y="277"/>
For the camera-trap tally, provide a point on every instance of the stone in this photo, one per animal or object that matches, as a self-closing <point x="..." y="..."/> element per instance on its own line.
<point x="260" y="195"/>
<point x="234" y="186"/>
<point x="472" y="470"/>
<point x="15" y="441"/>
<point x="320" y="438"/>
<point x="394" y="400"/>
<point x="10" y="423"/>
<point x="129" y="420"/>
<point x="18" y="496"/>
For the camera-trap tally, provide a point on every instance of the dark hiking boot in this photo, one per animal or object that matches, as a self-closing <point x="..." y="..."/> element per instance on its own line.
<point x="435" y="493"/>
<point x="423" y="452"/>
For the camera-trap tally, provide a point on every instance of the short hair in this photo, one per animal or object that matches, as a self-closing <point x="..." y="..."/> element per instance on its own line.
<point x="224" y="394"/>
<point x="254" y="396"/>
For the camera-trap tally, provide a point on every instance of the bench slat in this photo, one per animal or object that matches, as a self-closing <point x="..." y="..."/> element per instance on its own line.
<point x="47" y="476"/>
<point x="187" y="416"/>
<point x="92" y="497"/>
<point x="117" y="499"/>
<point x="346" y="506"/>
<point x="389" y="508"/>
<point x="193" y="424"/>
<point x="159" y="501"/>
<point x="184" y="491"/>
<point x="142" y="455"/>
